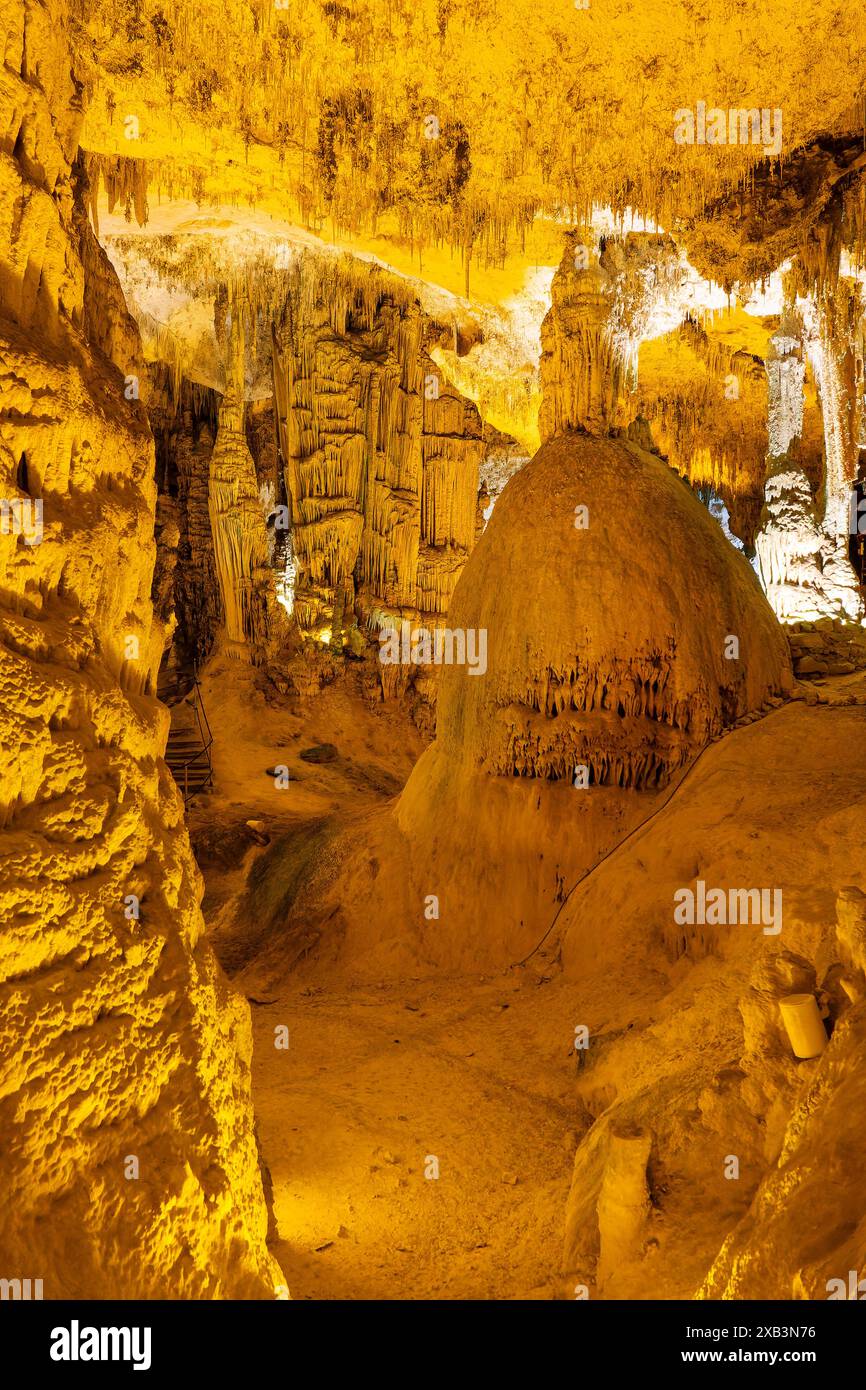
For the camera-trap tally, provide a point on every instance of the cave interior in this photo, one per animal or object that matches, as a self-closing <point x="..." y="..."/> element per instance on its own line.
<point x="432" y="649"/>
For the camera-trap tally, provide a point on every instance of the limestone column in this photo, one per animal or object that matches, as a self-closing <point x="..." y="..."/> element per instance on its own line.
<point x="623" y="1202"/>
<point x="240" y="536"/>
<point x="837" y="312"/>
<point x="591" y="335"/>
<point x="788" y="545"/>
<point x="582" y="374"/>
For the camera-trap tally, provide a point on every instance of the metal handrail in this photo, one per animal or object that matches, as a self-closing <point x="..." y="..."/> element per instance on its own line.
<point x="204" y="751"/>
<point x="200" y="711"/>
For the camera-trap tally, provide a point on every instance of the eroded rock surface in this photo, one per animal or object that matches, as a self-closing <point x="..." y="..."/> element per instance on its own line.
<point x="128" y="1160"/>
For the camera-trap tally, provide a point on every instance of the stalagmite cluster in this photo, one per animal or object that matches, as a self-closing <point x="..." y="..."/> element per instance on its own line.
<point x="184" y="432"/>
<point x="803" y="554"/>
<point x="790" y="542"/>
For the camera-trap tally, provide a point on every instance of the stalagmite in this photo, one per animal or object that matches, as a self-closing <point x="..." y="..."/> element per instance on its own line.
<point x="631" y="697"/>
<point x="184" y="430"/>
<point x="240" y="541"/>
<point x="583" y="369"/>
<point x="802" y="562"/>
<point x="601" y="308"/>
<point x="851" y="936"/>
<point x="838" y="308"/>
<point x="790" y="541"/>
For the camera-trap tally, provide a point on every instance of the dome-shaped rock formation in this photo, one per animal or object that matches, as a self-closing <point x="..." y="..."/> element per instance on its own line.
<point x="623" y="630"/>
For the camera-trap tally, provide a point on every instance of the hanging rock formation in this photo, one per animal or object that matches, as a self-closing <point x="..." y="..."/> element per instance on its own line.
<point x="381" y="453"/>
<point x="705" y="405"/>
<point x="811" y="220"/>
<point x="127" y="1159"/>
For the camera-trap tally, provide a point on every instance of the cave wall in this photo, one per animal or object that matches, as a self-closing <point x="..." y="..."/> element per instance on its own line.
<point x="706" y="404"/>
<point x="128" y="1160"/>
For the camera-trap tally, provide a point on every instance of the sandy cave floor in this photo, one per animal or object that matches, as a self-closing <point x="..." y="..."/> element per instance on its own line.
<point x="376" y="1081"/>
<point x="375" y="1085"/>
<point x="477" y="1072"/>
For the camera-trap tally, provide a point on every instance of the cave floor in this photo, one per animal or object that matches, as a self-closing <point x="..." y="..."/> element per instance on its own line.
<point x="378" y="1081"/>
<point x="379" y="1090"/>
<point x="382" y="1086"/>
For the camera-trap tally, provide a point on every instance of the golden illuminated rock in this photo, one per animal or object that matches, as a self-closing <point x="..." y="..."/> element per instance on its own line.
<point x="593" y="664"/>
<point x="499" y="359"/>
<point x="574" y="685"/>
<point x="381" y="452"/>
<point x="239" y="537"/>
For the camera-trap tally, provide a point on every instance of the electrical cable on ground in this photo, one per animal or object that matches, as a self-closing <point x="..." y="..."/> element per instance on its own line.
<point x="619" y="845"/>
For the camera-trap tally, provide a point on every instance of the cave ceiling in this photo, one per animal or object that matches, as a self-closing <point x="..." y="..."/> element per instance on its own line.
<point x="455" y="143"/>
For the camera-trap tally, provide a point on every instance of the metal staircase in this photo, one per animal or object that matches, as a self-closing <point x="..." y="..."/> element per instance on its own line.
<point x="188" y="753"/>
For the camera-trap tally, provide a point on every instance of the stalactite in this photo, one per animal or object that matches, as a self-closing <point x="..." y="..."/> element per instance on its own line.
<point x="381" y="454"/>
<point x="126" y="182"/>
<point x="705" y="405"/>
<point x="358" y="155"/>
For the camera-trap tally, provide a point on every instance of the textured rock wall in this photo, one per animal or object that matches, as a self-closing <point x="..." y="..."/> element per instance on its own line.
<point x="706" y="408"/>
<point x="127" y="1157"/>
<point x="381" y="454"/>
